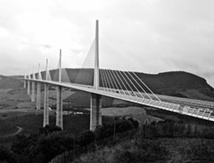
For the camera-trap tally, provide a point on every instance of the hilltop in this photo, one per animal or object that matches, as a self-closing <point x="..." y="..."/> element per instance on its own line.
<point x="180" y="84"/>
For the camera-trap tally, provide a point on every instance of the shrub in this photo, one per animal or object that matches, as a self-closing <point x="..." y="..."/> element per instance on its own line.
<point x="86" y="138"/>
<point x="118" y="126"/>
<point x="49" y="129"/>
<point x="23" y="144"/>
<point x="124" y="157"/>
<point x="7" y="156"/>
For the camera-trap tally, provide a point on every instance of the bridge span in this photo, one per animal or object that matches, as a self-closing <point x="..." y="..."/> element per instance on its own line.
<point x="115" y="84"/>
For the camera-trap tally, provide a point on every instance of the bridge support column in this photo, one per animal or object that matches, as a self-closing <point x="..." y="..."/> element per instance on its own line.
<point x="46" y="105"/>
<point x="95" y="111"/>
<point x="33" y="92"/>
<point x="38" y="101"/>
<point x="59" y="109"/>
<point x="28" y="87"/>
<point x="24" y="86"/>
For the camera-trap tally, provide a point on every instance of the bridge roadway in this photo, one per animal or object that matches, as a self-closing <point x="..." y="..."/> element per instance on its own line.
<point x="199" y="109"/>
<point x="171" y="99"/>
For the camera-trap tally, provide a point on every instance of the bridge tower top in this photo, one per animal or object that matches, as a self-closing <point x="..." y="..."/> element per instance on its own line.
<point x="33" y="74"/>
<point x="60" y="65"/>
<point x="96" y="65"/>
<point x="46" y="70"/>
<point x="39" y="73"/>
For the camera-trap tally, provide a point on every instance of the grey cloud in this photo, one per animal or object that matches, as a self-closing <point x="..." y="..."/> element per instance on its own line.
<point x="148" y="36"/>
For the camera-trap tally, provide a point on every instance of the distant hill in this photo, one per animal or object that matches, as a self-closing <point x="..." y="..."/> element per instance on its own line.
<point x="180" y="83"/>
<point x="171" y="81"/>
<point x="10" y="82"/>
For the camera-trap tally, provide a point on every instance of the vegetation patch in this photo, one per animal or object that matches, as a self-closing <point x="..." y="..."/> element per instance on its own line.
<point x="158" y="142"/>
<point x="50" y="141"/>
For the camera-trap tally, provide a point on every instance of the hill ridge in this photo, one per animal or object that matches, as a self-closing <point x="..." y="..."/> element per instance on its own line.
<point x="173" y="83"/>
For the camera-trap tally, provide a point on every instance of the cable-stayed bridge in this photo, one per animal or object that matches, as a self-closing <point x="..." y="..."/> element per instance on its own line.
<point x="124" y="85"/>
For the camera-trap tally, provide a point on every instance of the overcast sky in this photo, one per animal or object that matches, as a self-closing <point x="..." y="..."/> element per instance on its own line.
<point x="149" y="36"/>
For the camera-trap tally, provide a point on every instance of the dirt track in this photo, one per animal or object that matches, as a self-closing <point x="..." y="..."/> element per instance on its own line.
<point x="20" y="129"/>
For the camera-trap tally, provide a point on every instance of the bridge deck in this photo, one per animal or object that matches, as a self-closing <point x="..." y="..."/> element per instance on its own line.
<point x="168" y="103"/>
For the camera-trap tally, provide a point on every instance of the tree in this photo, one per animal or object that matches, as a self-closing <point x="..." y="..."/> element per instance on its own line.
<point x="86" y="138"/>
<point x="52" y="145"/>
<point x="7" y="156"/>
<point x="49" y="129"/>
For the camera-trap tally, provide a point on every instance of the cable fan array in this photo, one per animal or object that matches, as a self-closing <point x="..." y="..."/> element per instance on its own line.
<point x="122" y="82"/>
<point x="125" y="83"/>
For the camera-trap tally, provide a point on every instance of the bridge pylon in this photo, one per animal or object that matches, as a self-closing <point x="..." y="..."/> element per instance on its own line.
<point x="33" y="88"/>
<point x="59" y="103"/>
<point x="28" y="85"/>
<point x="24" y="86"/>
<point x="38" y="97"/>
<point x="46" y="99"/>
<point x="96" y="100"/>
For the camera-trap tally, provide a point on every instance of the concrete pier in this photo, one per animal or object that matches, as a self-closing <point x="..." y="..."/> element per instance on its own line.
<point x="95" y="111"/>
<point x="28" y="87"/>
<point x="59" y="109"/>
<point x="33" y="92"/>
<point x="46" y="105"/>
<point x="38" y="99"/>
<point x="24" y="86"/>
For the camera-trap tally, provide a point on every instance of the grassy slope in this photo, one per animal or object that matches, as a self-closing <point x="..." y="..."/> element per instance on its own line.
<point x="179" y="83"/>
<point x="31" y="123"/>
<point x="140" y="150"/>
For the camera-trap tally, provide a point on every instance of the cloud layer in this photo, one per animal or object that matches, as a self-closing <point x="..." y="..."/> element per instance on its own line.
<point x="147" y="36"/>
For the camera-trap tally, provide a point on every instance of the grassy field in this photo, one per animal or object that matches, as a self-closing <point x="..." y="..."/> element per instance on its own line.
<point x="17" y="110"/>
<point x="138" y="113"/>
<point x="74" y="123"/>
<point x="32" y="123"/>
